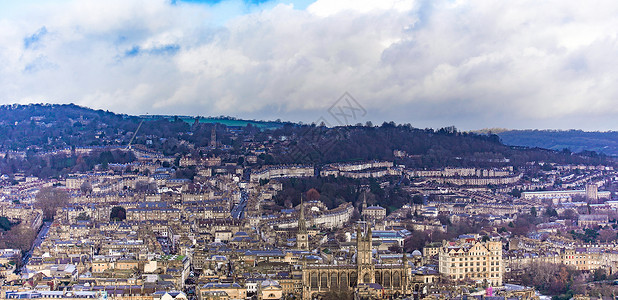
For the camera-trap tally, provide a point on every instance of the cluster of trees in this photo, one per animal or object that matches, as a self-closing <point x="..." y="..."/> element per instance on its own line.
<point x="55" y="126"/>
<point x="419" y="239"/>
<point x="427" y="147"/>
<point x="21" y="236"/>
<point x="550" y="279"/>
<point x="186" y="173"/>
<point x="333" y="191"/>
<point x="527" y="223"/>
<point x="50" y="166"/>
<point x="5" y="224"/>
<point x="563" y="281"/>
<point x="588" y="236"/>
<point x="118" y="214"/>
<point x="18" y="237"/>
<point x="40" y="127"/>
<point x="49" y="199"/>
<point x="52" y="127"/>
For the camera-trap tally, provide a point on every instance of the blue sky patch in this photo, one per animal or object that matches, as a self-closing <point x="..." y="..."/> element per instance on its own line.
<point x="170" y="49"/>
<point x="39" y="64"/>
<point x="211" y="2"/>
<point x="132" y="52"/>
<point x="32" y="40"/>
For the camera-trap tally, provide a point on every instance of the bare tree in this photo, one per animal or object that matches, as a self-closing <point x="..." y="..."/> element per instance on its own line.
<point x="49" y="199"/>
<point x="19" y="237"/>
<point x="549" y="278"/>
<point x="569" y="214"/>
<point x="607" y="235"/>
<point x="86" y="187"/>
<point x="313" y="194"/>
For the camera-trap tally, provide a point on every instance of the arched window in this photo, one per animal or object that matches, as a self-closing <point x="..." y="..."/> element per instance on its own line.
<point x="353" y="279"/>
<point x="367" y="278"/>
<point x="343" y="280"/>
<point x="324" y="280"/>
<point x="387" y="279"/>
<point x="396" y="280"/>
<point x="333" y="281"/>
<point x="314" y="280"/>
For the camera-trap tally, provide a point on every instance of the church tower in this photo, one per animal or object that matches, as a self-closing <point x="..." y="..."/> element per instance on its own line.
<point x="364" y="261"/>
<point x="592" y="192"/>
<point x="213" y="137"/>
<point x="302" y="237"/>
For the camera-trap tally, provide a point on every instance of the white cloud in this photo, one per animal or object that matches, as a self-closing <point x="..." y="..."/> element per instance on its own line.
<point x="472" y="63"/>
<point x="332" y="7"/>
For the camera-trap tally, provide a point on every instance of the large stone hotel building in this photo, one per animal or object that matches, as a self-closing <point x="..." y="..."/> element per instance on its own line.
<point x="472" y="259"/>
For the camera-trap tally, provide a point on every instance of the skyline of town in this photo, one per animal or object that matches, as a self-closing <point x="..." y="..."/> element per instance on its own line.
<point x="308" y="150"/>
<point x="96" y="205"/>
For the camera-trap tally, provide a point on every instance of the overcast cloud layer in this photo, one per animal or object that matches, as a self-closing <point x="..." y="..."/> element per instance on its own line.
<point x="468" y="63"/>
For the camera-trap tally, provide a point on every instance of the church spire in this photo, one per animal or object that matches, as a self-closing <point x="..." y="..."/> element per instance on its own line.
<point x="302" y="225"/>
<point x="302" y="237"/>
<point x="364" y="205"/>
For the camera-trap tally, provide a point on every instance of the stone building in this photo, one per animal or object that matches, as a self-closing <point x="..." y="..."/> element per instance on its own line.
<point x="394" y="279"/>
<point x="472" y="259"/>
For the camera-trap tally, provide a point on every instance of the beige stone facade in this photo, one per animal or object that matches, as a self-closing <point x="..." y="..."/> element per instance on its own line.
<point x="471" y="259"/>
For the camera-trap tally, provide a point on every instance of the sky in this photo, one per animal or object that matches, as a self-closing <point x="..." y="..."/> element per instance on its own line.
<point x="431" y="63"/>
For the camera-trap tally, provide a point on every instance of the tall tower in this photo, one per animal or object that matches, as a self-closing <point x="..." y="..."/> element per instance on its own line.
<point x="364" y="205"/>
<point x="592" y="192"/>
<point x="302" y="237"/>
<point x="213" y="137"/>
<point x="405" y="275"/>
<point x="364" y="261"/>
